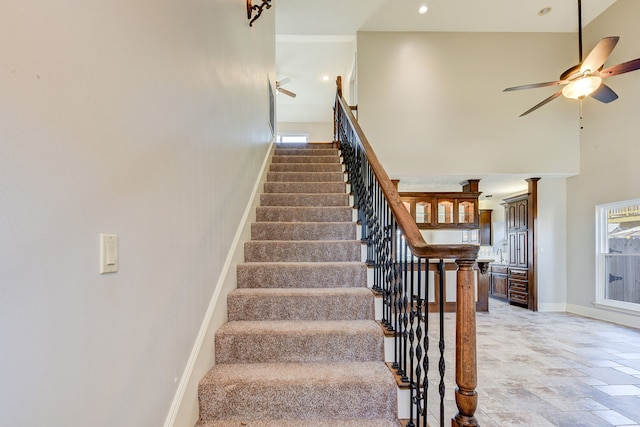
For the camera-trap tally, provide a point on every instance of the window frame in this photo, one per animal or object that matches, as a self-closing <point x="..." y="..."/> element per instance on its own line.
<point x="602" y="252"/>
<point x="287" y="135"/>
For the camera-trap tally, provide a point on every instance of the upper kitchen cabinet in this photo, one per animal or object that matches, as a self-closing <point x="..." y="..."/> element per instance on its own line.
<point x="445" y="210"/>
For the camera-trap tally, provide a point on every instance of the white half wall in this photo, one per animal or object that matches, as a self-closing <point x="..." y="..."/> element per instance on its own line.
<point x="145" y="119"/>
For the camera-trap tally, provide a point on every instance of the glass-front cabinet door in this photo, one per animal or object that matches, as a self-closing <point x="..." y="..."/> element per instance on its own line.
<point x="445" y="211"/>
<point x="466" y="212"/>
<point x="423" y="212"/>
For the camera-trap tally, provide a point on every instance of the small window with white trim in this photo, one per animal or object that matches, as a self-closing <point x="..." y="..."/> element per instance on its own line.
<point x="618" y="255"/>
<point x="292" y="138"/>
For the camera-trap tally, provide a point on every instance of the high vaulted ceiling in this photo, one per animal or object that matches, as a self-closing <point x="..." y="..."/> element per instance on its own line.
<point x="318" y="37"/>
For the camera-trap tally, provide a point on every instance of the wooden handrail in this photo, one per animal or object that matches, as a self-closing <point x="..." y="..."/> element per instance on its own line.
<point x="407" y="224"/>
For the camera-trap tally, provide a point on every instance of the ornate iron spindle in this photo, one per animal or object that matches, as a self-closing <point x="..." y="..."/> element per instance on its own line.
<point x="441" y="363"/>
<point x="404" y="254"/>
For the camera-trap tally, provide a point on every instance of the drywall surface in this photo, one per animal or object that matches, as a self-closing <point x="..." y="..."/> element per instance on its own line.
<point x="609" y="160"/>
<point x="145" y="119"/>
<point x="439" y="97"/>
<point x="551" y="244"/>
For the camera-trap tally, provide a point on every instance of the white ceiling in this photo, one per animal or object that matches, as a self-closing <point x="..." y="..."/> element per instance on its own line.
<point x="317" y="37"/>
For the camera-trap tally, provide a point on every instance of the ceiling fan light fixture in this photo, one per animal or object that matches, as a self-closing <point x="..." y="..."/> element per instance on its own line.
<point x="580" y="88"/>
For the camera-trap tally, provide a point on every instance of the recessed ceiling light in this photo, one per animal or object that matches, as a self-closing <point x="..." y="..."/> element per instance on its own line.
<point x="325" y="78"/>
<point x="423" y="9"/>
<point x="544" y="11"/>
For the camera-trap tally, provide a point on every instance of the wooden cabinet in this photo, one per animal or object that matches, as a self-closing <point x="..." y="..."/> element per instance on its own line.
<point x="486" y="238"/>
<point x="499" y="281"/>
<point x="516" y="214"/>
<point x="520" y="214"/>
<point x="445" y="210"/>
<point x="518" y="286"/>
<point x="518" y="249"/>
<point x="442" y="210"/>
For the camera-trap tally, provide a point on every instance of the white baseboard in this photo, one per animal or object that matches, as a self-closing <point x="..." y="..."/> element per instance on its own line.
<point x="611" y="316"/>
<point x="184" y="410"/>
<point x="552" y="306"/>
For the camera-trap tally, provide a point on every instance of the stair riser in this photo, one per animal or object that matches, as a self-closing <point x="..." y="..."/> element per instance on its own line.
<point x="312" y="251"/>
<point x="319" y="177"/>
<point x="302" y="199"/>
<point x="304" y="214"/>
<point x="303" y="231"/>
<point x="284" y="275"/>
<point x="286" y="401"/>
<point x="299" y="422"/>
<point x="316" y="152"/>
<point x="305" y="159"/>
<point x="305" y="167"/>
<point x="305" y="187"/>
<point x="311" y="347"/>
<point x="300" y="307"/>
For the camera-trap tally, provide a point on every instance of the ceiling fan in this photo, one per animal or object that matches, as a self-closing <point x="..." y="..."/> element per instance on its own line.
<point x="585" y="79"/>
<point x="280" y="89"/>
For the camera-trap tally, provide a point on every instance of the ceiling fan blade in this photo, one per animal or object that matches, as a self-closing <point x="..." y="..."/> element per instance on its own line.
<point x="283" y="81"/>
<point x="535" y="85"/>
<point x="604" y="94"/>
<point x="622" y="68"/>
<point x="287" y="92"/>
<point x="540" y="104"/>
<point x="599" y="54"/>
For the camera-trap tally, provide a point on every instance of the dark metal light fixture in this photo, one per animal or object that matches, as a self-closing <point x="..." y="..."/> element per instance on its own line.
<point x="258" y="8"/>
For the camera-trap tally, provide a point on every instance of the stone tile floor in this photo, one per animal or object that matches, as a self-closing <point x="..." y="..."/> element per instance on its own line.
<point x="548" y="369"/>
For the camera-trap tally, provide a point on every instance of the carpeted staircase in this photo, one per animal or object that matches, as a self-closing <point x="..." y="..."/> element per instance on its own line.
<point x="301" y="347"/>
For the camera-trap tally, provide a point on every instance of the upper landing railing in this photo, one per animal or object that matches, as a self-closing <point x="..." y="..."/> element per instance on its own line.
<point x="398" y="254"/>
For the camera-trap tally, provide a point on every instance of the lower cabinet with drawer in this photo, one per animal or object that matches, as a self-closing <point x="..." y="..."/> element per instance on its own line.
<point x="518" y="286"/>
<point x="499" y="281"/>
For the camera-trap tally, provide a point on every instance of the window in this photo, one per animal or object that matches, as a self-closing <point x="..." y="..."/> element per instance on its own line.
<point x="618" y="255"/>
<point x="292" y="137"/>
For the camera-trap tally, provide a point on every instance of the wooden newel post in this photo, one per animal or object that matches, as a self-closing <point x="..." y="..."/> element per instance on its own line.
<point x="466" y="363"/>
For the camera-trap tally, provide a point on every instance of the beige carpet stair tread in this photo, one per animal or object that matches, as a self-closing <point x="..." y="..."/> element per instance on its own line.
<point x="304" y="213"/>
<point x="305" y="187"/>
<point x="274" y="391"/>
<point x="316" y="152"/>
<point x="304" y="199"/>
<point x="302" y="275"/>
<point x="304" y="159"/>
<point x="294" y="303"/>
<point x="305" y="167"/>
<point x="302" y="251"/>
<point x="299" y="423"/>
<point x="305" y="176"/>
<point x="272" y="230"/>
<point x="285" y="341"/>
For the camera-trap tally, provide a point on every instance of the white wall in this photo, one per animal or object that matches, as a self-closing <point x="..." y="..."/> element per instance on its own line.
<point x="609" y="160"/>
<point x="146" y="119"/>
<point x="551" y="236"/>
<point x="440" y="96"/>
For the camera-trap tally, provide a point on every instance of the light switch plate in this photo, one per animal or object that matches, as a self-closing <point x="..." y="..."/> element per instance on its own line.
<point x="108" y="253"/>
